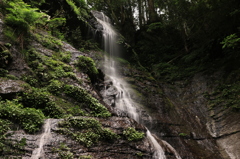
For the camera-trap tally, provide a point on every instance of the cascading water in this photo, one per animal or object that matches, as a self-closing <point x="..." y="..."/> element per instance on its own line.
<point x="37" y="153"/>
<point x="122" y="99"/>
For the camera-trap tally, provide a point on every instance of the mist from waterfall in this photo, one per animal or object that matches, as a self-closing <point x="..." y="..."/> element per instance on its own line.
<point x="122" y="101"/>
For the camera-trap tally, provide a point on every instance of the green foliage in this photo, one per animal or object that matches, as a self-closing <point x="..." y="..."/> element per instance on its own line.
<point x="63" y="151"/>
<point x="3" y="72"/>
<point x="87" y="131"/>
<point x="79" y="8"/>
<point x="30" y="119"/>
<point x="30" y="80"/>
<point x="41" y="99"/>
<point x="66" y="155"/>
<point x="153" y="26"/>
<point x="55" y="87"/>
<point x="123" y="61"/>
<point x="165" y="70"/>
<point x="232" y="41"/>
<point x="63" y="56"/>
<point x="87" y="45"/>
<point x="47" y="68"/>
<point x="85" y="157"/>
<point x="133" y="135"/>
<point x="87" y="65"/>
<point x="49" y="41"/>
<point x="9" y="146"/>
<point x="183" y="135"/>
<point x="21" y="17"/>
<point x="54" y="23"/>
<point x="140" y="154"/>
<point x="5" y="56"/>
<point x="4" y="127"/>
<point x="82" y="96"/>
<point x="226" y="96"/>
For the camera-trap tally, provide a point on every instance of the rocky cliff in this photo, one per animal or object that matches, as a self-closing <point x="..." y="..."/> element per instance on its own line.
<point x="182" y="114"/>
<point x="179" y="114"/>
<point x="50" y="107"/>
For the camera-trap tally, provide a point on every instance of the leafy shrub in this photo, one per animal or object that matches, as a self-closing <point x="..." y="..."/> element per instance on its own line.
<point x="30" y="119"/>
<point x="63" y="56"/>
<point x="87" y="65"/>
<point x="30" y="80"/>
<point x="22" y="17"/>
<point x="166" y="71"/>
<point x="41" y="99"/>
<point x="4" y="127"/>
<point x="5" y="56"/>
<point x="79" y="8"/>
<point x="132" y="135"/>
<point x="55" y="87"/>
<point x="182" y="134"/>
<point x="226" y="96"/>
<point x="232" y="41"/>
<point x="82" y="96"/>
<point x="87" y="131"/>
<point x="49" y="41"/>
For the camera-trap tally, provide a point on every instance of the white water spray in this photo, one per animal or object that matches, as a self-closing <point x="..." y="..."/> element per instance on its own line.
<point x="37" y="153"/>
<point x="123" y="100"/>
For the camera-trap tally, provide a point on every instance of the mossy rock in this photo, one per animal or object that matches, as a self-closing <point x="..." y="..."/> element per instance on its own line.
<point x="87" y="65"/>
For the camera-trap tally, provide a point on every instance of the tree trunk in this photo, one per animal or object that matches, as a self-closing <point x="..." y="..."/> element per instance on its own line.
<point x="152" y="12"/>
<point x="140" y="18"/>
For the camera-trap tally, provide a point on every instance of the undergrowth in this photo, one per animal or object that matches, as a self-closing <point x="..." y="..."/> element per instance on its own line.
<point x="87" y="131"/>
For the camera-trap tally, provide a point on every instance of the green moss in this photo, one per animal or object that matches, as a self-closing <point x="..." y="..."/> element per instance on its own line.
<point x="63" y="151"/>
<point x="30" y="119"/>
<point x="87" y="65"/>
<point x="140" y="154"/>
<point x="63" y="56"/>
<point x="9" y="146"/>
<point x="49" y="41"/>
<point x="133" y="135"/>
<point x="122" y="61"/>
<point x="41" y="99"/>
<point x="31" y="80"/>
<point x="82" y="96"/>
<point x="87" y="131"/>
<point x="182" y="134"/>
<point x="45" y="69"/>
<point x="3" y="72"/>
<point x="226" y="96"/>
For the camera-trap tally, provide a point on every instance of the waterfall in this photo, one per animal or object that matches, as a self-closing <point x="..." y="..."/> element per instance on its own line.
<point x="37" y="153"/>
<point x="122" y="99"/>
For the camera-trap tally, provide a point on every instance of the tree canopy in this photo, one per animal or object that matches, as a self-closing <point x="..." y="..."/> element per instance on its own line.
<point x="173" y="34"/>
<point x="177" y="32"/>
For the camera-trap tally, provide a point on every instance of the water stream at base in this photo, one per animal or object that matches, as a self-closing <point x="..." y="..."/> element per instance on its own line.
<point x="123" y="100"/>
<point x="37" y="153"/>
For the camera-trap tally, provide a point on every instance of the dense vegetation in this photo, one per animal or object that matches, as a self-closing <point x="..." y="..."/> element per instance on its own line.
<point x="171" y="39"/>
<point x="176" y="38"/>
<point x="51" y="88"/>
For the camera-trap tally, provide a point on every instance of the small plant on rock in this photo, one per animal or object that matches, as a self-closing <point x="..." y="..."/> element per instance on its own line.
<point x="133" y="135"/>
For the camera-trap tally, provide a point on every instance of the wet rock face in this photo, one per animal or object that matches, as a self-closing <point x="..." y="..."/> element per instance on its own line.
<point x="181" y="116"/>
<point x="57" y="145"/>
